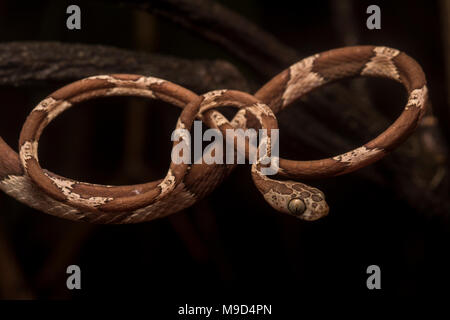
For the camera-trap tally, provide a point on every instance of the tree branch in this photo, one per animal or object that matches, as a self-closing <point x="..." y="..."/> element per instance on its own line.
<point x="216" y="23"/>
<point x="32" y="63"/>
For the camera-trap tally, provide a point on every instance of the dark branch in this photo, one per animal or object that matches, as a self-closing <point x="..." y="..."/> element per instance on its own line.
<point x="246" y="41"/>
<point x="31" y="63"/>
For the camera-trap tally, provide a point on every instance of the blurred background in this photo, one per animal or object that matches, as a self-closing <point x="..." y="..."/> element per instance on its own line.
<point x="394" y="214"/>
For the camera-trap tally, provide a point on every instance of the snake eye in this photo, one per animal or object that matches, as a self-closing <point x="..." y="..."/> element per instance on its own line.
<point x="296" y="206"/>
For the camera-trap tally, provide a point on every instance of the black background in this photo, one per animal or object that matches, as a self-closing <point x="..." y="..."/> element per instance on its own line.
<point x="231" y="246"/>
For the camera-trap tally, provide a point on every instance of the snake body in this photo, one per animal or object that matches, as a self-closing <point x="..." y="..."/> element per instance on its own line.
<point x="22" y="177"/>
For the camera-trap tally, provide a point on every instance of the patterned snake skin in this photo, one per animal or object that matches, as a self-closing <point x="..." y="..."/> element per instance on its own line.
<point x="22" y="177"/>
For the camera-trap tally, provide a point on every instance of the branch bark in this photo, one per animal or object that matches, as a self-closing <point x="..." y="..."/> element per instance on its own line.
<point x="35" y="63"/>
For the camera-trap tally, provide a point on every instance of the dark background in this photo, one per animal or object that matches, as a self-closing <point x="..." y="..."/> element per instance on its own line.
<point x="231" y="245"/>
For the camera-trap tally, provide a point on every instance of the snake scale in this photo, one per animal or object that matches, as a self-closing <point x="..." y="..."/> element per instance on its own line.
<point x="22" y="177"/>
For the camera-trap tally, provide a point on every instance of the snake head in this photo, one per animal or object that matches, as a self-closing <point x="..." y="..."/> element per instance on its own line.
<point x="291" y="197"/>
<point x="297" y="199"/>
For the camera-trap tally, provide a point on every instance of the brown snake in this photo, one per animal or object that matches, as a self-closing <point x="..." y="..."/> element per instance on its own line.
<point x="22" y="177"/>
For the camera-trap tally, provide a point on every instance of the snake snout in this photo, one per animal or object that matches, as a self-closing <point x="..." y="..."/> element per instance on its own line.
<point x="320" y="211"/>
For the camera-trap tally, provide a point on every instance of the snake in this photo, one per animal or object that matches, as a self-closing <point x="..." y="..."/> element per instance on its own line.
<point x="184" y="184"/>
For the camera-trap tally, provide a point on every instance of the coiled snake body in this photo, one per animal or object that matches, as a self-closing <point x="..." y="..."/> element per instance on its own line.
<point x="22" y="177"/>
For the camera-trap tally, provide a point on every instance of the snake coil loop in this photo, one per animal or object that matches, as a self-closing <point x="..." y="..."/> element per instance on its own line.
<point x="22" y="177"/>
